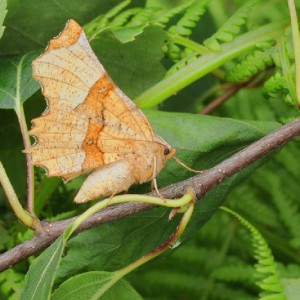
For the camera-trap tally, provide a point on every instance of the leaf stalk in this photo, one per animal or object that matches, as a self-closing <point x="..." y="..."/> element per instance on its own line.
<point x="26" y="218"/>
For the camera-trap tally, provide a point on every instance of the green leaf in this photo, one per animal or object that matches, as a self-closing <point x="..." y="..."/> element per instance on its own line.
<point x="11" y="146"/>
<point x="129" y="34"/>
<point x="31" y="24"/>
<point x="40" y="277"/>
<point x="4" y="237"/>
<point x="113" y="246"/>
<point x="3" y="12"/>
<point x="16" y="82"/>
<point x="45" y="191"/>
<point x="85" y="286"/>
<point x="201" y="142"/>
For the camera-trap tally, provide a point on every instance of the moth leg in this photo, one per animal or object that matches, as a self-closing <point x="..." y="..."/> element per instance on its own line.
<point x="154" y="178"/>
<point x="108" y="180"/>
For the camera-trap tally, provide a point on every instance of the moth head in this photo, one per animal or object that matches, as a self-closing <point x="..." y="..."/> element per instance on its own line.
<point x="168" y="151"/>
<point x="164" y="152"/>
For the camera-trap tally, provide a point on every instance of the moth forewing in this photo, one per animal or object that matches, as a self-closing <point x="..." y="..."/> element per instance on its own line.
<point x="90" y="125"/>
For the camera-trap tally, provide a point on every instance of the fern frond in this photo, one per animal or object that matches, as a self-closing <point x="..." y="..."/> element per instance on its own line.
<point x="143" y="16"/>
<point x="226" y="292"/>
<point x="286" y="160"/>
<point x="283" y="82"/>
<point x="240" y="272"/>
<point x="112" y="13"/>
<point x="189" y="19"/>
<point x="3" y="12"/>
<point x="268" y="277"/>
<point x="287" y="206"/>
<point x="122" y="18"/>
<point x="125" y="25"/>
<point x="189" y="57"/>
<point x="212" y="236"/>
<point x="253" y="63"/>
<point x="171" y="283"/>
<point x="285" y="46"/>
<point x="231" y="27"/>
<point x="251" y="205"/>
<point x="11" y="284"/>
<point x="194" y="256"/>
<point x="288" y="66"/>
<point x="289" y="271"/>
<point x="289" y="212"/>
<point x="163" y="19"/>
<point x="274" y="85"/>
<point x="102" y="21"/>
<point x="174" y="52"/>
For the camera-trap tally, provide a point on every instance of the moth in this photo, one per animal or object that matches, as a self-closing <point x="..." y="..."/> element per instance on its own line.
<point x="90" y="125"/>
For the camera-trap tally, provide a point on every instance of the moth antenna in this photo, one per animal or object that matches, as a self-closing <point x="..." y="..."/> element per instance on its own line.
<point x="185" y="166"/>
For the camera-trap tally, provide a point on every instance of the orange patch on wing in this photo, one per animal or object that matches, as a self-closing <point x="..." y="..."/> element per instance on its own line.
<point x="66" y="38"/>
<point x="93" y="104"/>
<point x="103" y="87"/>
<point x="93" y="155"/>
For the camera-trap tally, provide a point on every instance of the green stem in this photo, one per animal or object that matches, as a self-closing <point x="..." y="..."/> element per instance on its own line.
<point x="286" y="69"/>
<point x="162" y="248"/>
<point x="127" y="198"/>
<point x="178" y="39"/>
<point x="19" y="109"/>
<point x="15" y="204"/>
<point x="154" y="253"/>
<point x="296" y="44"/>
<point x="30" y="168"/>
<point x="197" y="48"/>
<point x="207" y="63"/>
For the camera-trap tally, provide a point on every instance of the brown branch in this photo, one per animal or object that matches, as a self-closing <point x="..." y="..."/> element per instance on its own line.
<point x="230" y="90"/>
<point x="201" y="184"/>
<point x="210" y="107"/>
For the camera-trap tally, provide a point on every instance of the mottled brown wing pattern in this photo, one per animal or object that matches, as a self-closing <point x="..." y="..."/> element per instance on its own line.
<point x="89" y="122"/>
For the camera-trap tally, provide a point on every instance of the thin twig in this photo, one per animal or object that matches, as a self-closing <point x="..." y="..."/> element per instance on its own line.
<point x="231" y="90"/>
<point x="30" y="168"/>
<point x="200" y="183"/>
<point x="211" y="106"/>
